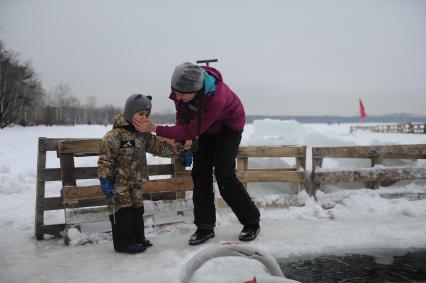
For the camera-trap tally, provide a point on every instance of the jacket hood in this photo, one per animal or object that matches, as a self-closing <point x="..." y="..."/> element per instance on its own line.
<point x="120" y="121"/>
<point x="213" y="72"/>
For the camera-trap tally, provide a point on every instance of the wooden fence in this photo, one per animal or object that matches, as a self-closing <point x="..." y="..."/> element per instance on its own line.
<point x="409" y="128"/>
<point x="374" y="175"/>
<point x="73" y="196"/>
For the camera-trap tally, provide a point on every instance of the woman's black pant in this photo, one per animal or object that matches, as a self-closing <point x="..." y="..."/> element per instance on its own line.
<point x="219" y="152"/>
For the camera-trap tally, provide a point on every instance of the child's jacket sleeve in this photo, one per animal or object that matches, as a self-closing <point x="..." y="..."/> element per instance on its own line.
<point x="108" y="151"/>
<point x="160" y="148"/>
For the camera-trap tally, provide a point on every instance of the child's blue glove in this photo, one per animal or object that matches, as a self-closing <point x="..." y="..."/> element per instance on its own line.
<point x="185" y="157"/>
<point x="107" y="188"/>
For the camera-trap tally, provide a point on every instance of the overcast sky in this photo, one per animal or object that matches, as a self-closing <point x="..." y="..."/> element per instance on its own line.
<point x="281" y="57"/>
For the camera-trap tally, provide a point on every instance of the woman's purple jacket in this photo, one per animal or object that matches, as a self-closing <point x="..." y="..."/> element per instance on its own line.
<point x="223" y="107"/>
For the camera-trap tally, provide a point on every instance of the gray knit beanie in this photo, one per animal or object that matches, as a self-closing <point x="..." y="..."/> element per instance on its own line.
<point x="187" y="78"/>
<point x="136" y="103"/>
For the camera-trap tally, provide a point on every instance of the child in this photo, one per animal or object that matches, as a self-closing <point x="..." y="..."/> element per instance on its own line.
<point x="122" y="170"/>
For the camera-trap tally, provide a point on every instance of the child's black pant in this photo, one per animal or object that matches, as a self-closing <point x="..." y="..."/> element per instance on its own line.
<point x="127" y="227"/>
<point x="219" y="151"/>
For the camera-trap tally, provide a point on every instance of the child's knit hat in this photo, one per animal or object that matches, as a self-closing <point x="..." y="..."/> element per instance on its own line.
<point x="136" y="103"/>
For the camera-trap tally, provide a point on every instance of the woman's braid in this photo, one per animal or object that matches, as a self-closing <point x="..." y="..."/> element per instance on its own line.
<point x="199" y="104"/>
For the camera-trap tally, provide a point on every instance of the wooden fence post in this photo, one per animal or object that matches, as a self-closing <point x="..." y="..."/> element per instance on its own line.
<point x="40" y="190"/>
<point x="68" y="179"/>
<point x="178" y="171"/>
<point x="316" y="162"/>
<point x="301" y="164"/>
<point x="376" y="160"/>
<point x="67" y="170"/>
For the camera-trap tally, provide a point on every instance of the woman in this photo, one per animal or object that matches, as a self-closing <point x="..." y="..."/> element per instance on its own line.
<point x="211" y="114"/>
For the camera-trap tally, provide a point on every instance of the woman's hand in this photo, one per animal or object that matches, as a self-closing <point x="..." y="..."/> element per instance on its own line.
<point x="143" y="125"/>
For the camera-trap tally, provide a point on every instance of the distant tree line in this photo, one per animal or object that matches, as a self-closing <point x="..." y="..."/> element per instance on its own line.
<point x="62" y="108"/>
<point x="23" y="101"/>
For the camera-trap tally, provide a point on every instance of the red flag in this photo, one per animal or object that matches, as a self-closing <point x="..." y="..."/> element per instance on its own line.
<point x="362" y="113"/>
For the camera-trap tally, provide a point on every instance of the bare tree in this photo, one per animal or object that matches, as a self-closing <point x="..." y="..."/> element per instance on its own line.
<point x="32" y="109"/>
<point x="91" y="101"/>
<point x="88" y="109"/>
<point x="65" y="105"/>
<point x="17" y="86"/>
<point x="57" y="98"/>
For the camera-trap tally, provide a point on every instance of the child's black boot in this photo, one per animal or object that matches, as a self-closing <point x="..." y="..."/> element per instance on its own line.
<point x="146" y="243"/>
<point x="132" y="249"/>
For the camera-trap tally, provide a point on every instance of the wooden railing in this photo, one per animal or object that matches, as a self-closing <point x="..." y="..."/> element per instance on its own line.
<point x="179" y="180"/>
<point x="174" y="187"/>
<point x="294" y="174"/>
<point x="409" y="128"/>
<point x="373" y="175"/>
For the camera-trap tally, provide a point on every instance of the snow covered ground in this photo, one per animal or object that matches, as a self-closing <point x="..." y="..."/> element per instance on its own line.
<point x="356" y="220"/>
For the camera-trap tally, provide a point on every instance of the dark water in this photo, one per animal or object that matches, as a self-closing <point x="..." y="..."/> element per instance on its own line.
<point x="385" y="267"/>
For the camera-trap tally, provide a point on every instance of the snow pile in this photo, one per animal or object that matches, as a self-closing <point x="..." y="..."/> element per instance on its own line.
<point x="277" y="132"/>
